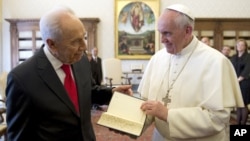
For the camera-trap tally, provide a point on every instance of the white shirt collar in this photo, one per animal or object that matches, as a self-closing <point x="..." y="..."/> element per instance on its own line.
<point x="52" y="59"/>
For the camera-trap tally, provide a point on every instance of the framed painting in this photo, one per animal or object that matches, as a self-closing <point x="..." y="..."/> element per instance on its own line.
<point x="135" y="28"/>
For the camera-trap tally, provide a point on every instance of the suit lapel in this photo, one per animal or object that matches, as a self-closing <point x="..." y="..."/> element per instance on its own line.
<point x="49" y="76"/>
<point x="82" y="74"/>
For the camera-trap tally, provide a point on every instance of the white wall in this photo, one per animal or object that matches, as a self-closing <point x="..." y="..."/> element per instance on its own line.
<point x="104" y="9"/>
<point x="1" y="52"/>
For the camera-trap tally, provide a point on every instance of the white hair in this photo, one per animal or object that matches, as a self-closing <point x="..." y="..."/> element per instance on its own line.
<point x="50" y="23"/>
<point x="182" y="20"/>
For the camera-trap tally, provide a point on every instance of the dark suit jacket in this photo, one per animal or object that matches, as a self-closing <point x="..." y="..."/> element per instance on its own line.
<point x="96" y="68"/>
<point x="38" y="107"/>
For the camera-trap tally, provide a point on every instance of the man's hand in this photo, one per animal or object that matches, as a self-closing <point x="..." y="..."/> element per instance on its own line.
<point x="240" y="78"/>
<point x="155" y="108"/>
<point x="123" y="89"/>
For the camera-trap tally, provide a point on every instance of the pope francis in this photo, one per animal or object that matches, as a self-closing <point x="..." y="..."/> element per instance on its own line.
<point x="191" y="87"/>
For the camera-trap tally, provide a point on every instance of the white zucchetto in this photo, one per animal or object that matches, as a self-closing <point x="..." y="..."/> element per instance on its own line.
<point x="182" y="9"/>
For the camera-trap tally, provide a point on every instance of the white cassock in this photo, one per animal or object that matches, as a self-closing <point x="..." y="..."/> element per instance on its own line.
<point x="204" y="90"/>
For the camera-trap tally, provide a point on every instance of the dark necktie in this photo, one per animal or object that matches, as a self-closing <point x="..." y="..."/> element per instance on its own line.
<point x="70" y="86"/>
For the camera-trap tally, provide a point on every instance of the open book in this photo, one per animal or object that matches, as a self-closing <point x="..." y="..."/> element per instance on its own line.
<point x="124" y="114"/>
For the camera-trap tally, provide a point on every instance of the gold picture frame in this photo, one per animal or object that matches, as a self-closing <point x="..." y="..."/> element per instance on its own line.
<point x="135" y="28"/>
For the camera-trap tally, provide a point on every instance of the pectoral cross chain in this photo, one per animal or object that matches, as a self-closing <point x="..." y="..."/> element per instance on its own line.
<point x="166" y="99"/>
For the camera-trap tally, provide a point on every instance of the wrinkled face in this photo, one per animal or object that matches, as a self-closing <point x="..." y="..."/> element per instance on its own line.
<point x="71" y="46"/>
<point x="173" y="36"/>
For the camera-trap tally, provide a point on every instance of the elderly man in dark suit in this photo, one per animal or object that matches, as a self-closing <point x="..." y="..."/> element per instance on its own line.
<point x="39" y="107"/>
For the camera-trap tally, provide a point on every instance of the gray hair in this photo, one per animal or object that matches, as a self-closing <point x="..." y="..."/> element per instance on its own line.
<point x="50" y="23"/>
<point x="183" y="20"/>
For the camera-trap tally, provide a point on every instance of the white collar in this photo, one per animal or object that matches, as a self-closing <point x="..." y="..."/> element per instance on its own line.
<point x="52" y="59"/>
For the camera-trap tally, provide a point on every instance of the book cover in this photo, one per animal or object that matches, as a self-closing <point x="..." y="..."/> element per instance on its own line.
<point x="124" y="114"/>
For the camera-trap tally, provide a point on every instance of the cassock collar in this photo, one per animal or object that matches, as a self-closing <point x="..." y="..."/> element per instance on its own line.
<point x="188" y="48"/>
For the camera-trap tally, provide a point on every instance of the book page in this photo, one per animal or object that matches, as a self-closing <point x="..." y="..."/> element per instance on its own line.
<point x="121" y="124"/>
<point x="124" y="114"/>
<point x="127" y="107"/>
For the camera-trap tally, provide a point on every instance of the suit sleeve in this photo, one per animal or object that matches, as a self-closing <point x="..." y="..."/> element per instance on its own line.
<point x="18" y="108"/>
<point x="100" y="94"/>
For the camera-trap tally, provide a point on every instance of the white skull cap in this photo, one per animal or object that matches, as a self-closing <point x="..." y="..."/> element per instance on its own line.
<point x="182" y="9"/>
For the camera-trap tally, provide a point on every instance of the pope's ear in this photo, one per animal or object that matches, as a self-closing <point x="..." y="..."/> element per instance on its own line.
<point x="189" y="30"/>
